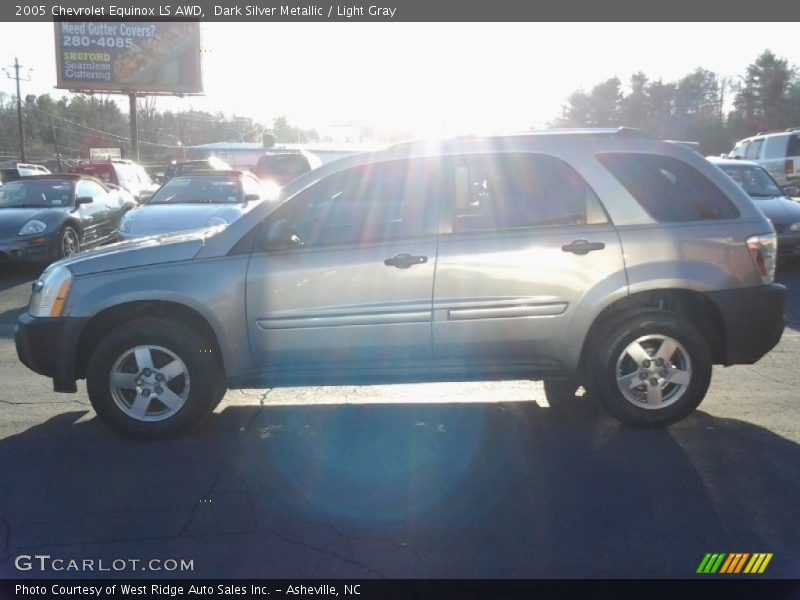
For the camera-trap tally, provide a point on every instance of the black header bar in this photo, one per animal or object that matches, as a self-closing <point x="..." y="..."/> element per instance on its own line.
<point x="408" y="11"/>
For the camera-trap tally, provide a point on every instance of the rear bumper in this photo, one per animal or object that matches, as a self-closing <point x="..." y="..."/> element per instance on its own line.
<point x="754" y="321"/>
<point x="49" y="346"/>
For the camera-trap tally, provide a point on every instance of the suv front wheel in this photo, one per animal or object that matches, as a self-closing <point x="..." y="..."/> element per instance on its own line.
<point x="650" y="367"/>
<point x="153" y="378"/>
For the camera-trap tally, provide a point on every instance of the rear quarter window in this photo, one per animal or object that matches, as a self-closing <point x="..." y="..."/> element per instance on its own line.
<point x="668" y="189"/>
<point x="794" y="146"/>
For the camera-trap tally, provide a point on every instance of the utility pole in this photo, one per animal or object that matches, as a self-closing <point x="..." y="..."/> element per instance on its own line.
<point x="55" y="139"/>
<point x="134" y="126"/>
<point x="16" y="76"/>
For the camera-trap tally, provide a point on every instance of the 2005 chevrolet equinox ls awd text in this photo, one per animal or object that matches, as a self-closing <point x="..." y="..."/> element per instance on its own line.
<point x="598" y="258"/>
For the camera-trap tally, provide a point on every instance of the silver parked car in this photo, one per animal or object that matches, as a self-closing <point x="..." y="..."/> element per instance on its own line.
<point x="778" y="153"/>
<point x="598" y="258"/>
<point x="201" y="199"/>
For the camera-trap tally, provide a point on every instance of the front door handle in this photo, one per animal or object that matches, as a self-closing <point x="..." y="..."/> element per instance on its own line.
<point x="404" y="261"/>
<point x="583" y="247"/>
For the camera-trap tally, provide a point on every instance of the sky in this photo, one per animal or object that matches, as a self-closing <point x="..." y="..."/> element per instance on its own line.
<point x="434" y="78"/>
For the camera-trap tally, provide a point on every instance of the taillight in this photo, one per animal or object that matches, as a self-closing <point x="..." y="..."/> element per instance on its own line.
<point x="764" y="250"/>
<point x="788" y="166"/>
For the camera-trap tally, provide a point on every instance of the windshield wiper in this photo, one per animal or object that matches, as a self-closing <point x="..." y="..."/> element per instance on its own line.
<point x="22" y="206"/>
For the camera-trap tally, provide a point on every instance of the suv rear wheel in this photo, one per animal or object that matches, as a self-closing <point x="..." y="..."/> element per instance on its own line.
<point x="650" y="368"/>
<point x="153" y="378"/>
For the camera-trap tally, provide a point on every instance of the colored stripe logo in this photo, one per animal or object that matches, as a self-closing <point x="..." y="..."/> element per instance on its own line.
<point x="733" y="563"/>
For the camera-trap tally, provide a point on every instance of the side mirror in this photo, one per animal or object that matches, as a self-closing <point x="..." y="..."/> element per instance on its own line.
<point x="83" y="200"/>
<point x="791" y="191"/>
<point x="279" y="236"/>
<point x="145" y="198"/>
<point x="251" y="198"/>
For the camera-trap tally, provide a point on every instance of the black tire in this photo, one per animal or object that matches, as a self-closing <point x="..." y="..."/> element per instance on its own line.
<point x="199" y="388"/>
<point x="68" y="238"/>
<point x="609" y="359"/>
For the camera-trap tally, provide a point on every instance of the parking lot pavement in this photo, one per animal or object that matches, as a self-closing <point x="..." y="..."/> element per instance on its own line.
<point x="432" y="480"/>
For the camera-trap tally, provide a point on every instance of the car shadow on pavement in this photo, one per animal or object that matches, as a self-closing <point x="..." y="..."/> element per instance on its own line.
<point x="12" y="275"/>
<point x="788" y="274"/>
<point x="8" y="319"/>
<point x="501" y="490"/>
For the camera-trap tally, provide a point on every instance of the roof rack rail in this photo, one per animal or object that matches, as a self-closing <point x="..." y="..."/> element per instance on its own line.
<point x="633" y="132"/>
<point x="793" y="129"/>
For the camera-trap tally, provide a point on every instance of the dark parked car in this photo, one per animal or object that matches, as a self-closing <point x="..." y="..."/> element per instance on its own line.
<point x="278" y="169"/>
<point x="201" y="199"/>
<point x="184" y="167"/>
<point x="770" y="199"/>
<point x="46" y="217"/>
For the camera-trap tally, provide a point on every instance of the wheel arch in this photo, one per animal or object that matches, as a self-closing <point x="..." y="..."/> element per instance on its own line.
<point x="694" y="306"/>
<point x="116" y="315"/>
<point x="75" y="224"/>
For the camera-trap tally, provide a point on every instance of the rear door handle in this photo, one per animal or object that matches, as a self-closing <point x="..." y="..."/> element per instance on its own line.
<point x="404" y="261"/>
<point x="583" y="246"/>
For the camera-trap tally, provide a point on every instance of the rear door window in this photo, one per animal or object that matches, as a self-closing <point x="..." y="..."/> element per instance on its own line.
<point x="516" y="190"/>
<point x="669" y="189"/>
<point x="775" y="146"/>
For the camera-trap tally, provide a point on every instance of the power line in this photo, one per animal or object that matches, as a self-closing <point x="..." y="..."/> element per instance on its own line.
<point x="107" y="134"/>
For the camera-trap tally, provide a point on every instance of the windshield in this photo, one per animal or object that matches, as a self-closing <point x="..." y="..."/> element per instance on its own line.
<point x="755" y="180"/>
<point x="36" y="194"/>
<point x="198" y="190"/>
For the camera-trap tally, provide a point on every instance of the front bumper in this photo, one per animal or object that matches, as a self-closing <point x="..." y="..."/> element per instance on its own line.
<point x="27" y="248"/>
<point x="754" y="321"/>
<point x="48" y="346"/>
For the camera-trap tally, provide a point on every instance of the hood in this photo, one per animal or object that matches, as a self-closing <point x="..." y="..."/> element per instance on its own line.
<point x="12" y="219"/>
<point x="137" y="253"/>
<point x="780" y="210"/>
<point x="164" y="218"/>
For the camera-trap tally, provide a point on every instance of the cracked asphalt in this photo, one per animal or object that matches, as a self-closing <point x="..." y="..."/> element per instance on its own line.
<point x="477" y="480"/>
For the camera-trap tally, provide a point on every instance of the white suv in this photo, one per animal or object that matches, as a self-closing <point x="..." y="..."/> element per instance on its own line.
<point x="778" y="153"/>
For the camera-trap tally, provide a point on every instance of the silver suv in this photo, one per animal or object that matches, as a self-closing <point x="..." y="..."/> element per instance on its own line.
<point x="597" y="258"/>
<point x="778" y="153"/>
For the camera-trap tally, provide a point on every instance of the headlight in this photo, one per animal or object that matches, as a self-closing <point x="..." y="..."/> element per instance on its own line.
<point x="215" y="221"/>
<point x="31" y="227"/>
<point x="126" y="223"/>
<point x="795" y="226"/>
<point x="50" y="293"/>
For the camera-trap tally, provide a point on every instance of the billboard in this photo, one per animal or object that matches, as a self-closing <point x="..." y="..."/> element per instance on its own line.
<point x="129" y="56"/>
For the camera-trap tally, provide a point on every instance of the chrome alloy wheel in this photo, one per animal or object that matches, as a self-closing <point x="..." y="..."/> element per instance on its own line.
<point x="149" y="383"/>
<point x="69" y="243"/>
<point x="653" y="371"/>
